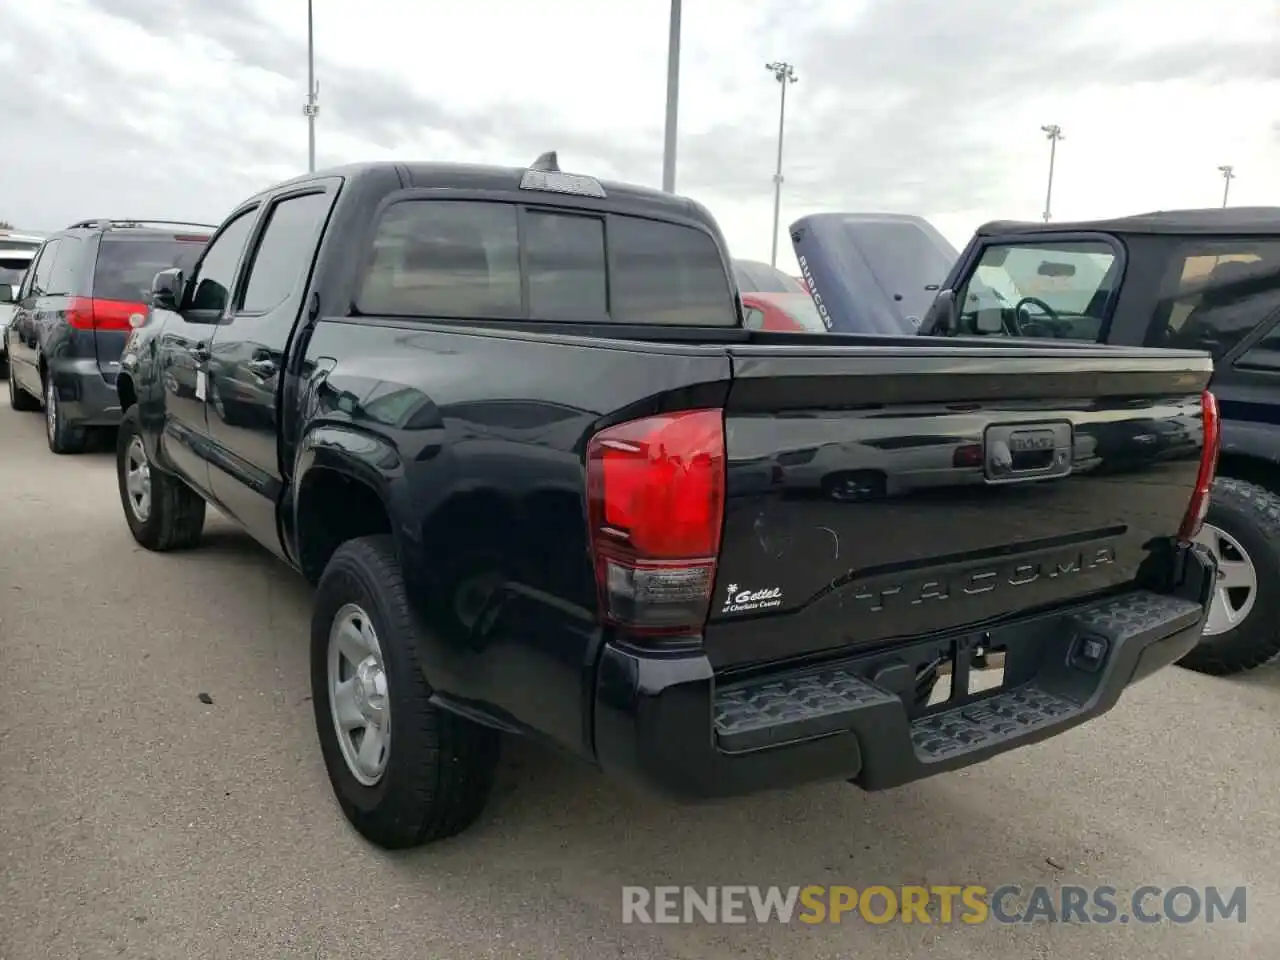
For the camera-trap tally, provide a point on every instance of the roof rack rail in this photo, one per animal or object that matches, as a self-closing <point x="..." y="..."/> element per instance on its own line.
<point x="108" y="223"/>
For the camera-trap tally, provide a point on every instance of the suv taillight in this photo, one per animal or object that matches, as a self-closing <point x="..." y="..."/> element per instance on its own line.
<point x="85" y="313"/>
<point x="655" y="492"/>
<point x="1199" y="505"/>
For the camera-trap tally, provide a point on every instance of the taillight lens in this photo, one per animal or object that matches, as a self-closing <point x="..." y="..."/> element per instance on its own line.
<point x="84" y="313"/>
<point x="656" y="506"/>
<point x="1199" y="505"/>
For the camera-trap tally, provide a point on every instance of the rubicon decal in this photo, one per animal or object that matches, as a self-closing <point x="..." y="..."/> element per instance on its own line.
<point x="738" y="600"/>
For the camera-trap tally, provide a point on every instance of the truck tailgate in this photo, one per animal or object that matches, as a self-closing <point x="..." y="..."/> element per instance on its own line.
<point x="876" y="493"/>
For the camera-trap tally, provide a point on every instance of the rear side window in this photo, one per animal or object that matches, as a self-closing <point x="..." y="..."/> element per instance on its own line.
<point x="1216" y="294"/>
<point x="127" y="265"/>
<point x="463" y="259"/>
<point x="66" y="276"/>
<point x="44" y="267"/>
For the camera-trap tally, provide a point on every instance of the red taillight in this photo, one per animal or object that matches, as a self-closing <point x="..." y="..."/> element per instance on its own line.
<point x="656" y="505"/>
<point x="1199" y="505"/>
<point x="968" y="455"/>
<point x="84" y="313"/>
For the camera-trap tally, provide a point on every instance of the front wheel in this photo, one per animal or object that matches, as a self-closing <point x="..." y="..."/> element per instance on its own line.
<point x="19" y="399"/>
<point x="405" y="772"/>
<point x="163" y="513"/>
<point x="1242" y="531"/>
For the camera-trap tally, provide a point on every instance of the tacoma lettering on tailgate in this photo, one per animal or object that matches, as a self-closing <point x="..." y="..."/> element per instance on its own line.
<point x="985" y="579"/>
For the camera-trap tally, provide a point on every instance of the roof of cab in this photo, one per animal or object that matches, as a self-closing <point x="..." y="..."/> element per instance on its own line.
<point x="477" y="176"/>
<point x="1210" y="220"/>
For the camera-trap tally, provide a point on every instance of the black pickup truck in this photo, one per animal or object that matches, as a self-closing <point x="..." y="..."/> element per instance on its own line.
<point x="510" y="424"/>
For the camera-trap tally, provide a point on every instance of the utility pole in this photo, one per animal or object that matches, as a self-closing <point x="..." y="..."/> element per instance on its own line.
<point x="785" y="74"/>
<point x="1228" y="174"/>
<point x="311" y="108"/>
<point x="1054" y="133"/>
<point x="673" y="101"/>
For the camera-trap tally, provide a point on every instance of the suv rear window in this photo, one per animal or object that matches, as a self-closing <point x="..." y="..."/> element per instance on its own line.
<point x="488" y="260"/>
<point x="127" y="265"/>
<point x="13" y="269"/>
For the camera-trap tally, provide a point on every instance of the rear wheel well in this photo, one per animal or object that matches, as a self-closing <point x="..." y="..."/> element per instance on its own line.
<point x="128" y="395"/>
<point x="332" y="509"/>
<point x="1255" y="470"/>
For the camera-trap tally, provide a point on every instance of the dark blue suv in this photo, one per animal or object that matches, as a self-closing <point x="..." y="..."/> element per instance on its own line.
<point x="74" y="311"/>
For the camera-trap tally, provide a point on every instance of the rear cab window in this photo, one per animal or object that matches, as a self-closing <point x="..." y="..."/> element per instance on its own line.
<point x="1055" y="289"/>
<point x="480" y="259"/>
<point x="13" y="269"/>
<point x="126" y="265"/>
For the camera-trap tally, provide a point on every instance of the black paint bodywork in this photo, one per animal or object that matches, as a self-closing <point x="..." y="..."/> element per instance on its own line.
<point x="470" y="439"/>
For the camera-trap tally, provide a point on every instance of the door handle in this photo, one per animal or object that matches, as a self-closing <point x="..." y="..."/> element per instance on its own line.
<point x="201" y="352"/>
<point x="262" y="368"/>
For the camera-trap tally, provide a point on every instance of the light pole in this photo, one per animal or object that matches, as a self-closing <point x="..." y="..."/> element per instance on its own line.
<point x="785" y="74"/>
<point x="1054" y="133"/>
<point x="673" y="101"/>
<point x="1228" y="174"/>
<point x="311" y="108"/>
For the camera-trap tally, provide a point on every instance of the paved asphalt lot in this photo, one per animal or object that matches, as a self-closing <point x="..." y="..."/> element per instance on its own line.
<point x="137" y="821"/>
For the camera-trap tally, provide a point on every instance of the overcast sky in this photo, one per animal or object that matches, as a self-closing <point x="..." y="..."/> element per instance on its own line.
<point x="181" y="108"/>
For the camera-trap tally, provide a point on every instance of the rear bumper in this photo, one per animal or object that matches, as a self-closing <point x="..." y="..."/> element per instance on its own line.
<point x="87" y="398"/>
<point x="673" y="725"/>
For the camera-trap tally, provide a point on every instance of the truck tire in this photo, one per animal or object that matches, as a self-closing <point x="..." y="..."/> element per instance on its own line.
<point x="428" y="773"/>
<point x="163" y="513"/>
<point x="19" y="399"/>
<point x="1242" y="529"/>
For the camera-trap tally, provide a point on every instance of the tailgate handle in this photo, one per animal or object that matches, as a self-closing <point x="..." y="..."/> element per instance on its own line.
<point x="1016" y="452"/>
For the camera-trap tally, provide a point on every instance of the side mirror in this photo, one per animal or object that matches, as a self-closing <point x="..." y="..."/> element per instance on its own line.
<point x="6" y="293"/>
<point x="943" y="318"/>
<point x="166" y="289"/>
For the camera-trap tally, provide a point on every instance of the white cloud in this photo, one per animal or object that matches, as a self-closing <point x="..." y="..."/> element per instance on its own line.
<point x="169" y="108"/>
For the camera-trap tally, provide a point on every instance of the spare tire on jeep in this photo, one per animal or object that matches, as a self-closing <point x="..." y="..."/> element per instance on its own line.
<point x="1242" y="531"/>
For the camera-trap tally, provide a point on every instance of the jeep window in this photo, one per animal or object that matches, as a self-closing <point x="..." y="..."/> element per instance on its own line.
<point x="1049" y="290"/>
<point x="1215" y="294"/>
<point x="462" y="259"/>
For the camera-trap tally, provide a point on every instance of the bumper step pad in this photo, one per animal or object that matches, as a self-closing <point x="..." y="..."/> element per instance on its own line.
<point x="783" y="710"/>
<point x="1004" y="716"/>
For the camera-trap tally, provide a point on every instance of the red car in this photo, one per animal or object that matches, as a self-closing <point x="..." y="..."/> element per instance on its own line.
<point x="790" y="312"/>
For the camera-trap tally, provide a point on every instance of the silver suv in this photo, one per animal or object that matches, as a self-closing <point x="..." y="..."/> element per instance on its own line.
<point x="16" y="253"/>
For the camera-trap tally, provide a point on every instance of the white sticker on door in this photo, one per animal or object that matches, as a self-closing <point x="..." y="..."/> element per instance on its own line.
<point x="200" y="385"/>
